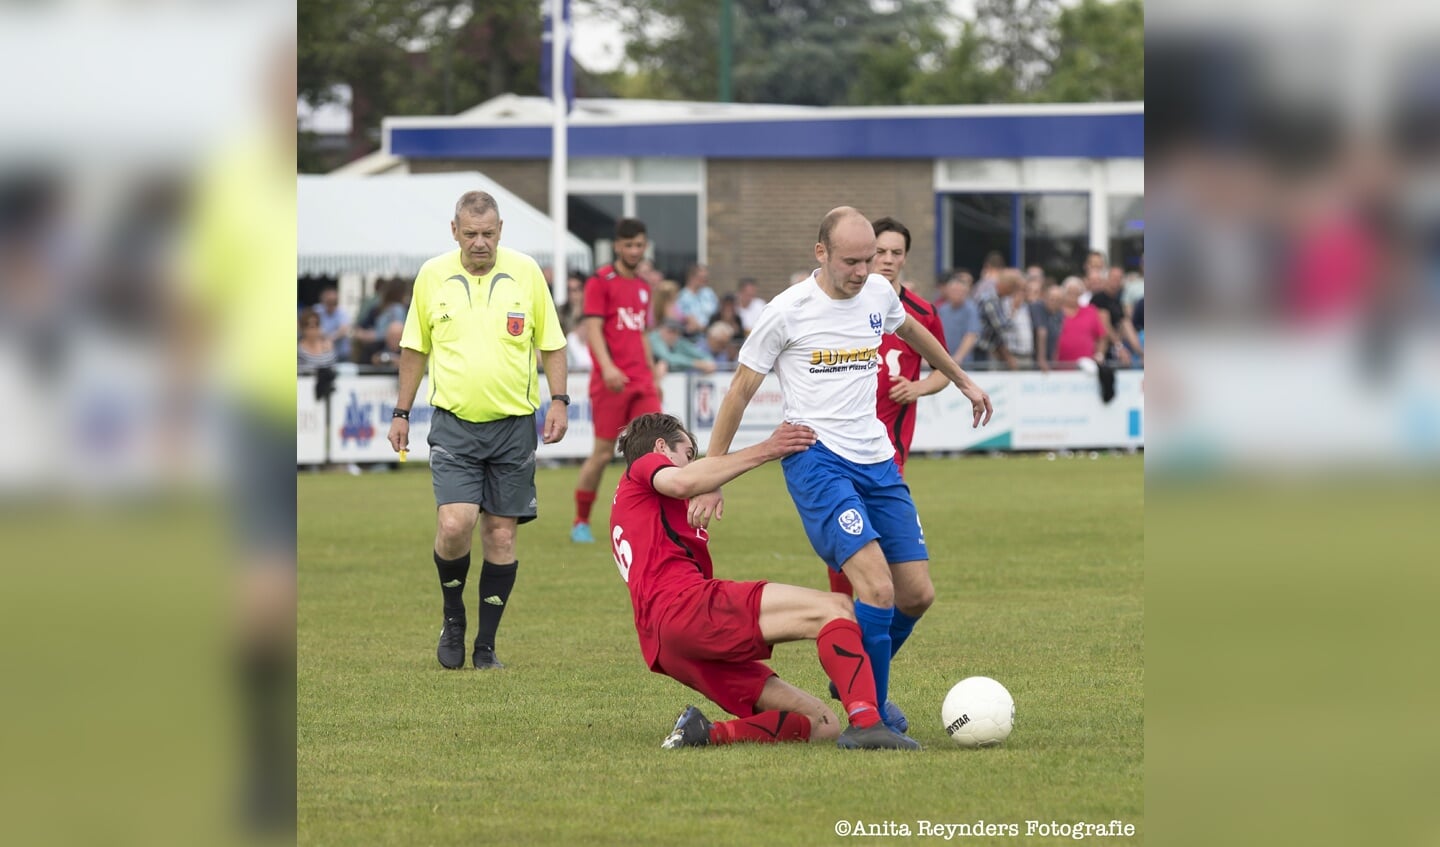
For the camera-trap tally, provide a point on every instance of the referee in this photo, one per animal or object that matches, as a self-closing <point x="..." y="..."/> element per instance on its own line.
<point x="477" y="316"/>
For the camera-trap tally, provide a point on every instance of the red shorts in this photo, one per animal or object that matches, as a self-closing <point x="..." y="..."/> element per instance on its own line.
<point x="610" y="411"/>
<point x="710" y="640"/>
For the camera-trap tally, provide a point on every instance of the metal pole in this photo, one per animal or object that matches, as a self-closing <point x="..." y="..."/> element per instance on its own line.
<point x="725" y="50"/>
<point x="559" y="155"/>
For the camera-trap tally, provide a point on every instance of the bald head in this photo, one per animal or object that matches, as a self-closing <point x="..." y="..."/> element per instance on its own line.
<point x="837" y="217"/>
<point x="846" y="252"/>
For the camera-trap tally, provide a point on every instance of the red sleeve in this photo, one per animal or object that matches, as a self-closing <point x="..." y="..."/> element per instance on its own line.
<point x="594" y="298"/>
<point x="643" y="471"/>
<point x="936" y="327"/>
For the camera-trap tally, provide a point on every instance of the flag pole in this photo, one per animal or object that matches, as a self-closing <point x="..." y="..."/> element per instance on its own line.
<point x="559" y="154"/>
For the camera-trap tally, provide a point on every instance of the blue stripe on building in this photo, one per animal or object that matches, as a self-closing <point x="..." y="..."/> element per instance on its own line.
<point x="1007" y="136"/>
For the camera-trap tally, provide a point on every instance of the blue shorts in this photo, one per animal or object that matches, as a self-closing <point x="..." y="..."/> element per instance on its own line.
<point x="845" y="505"/>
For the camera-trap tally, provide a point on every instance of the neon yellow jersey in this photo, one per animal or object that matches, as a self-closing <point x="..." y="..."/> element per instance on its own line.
<point x="240" y="267"/>
<point x="481" y="334"/>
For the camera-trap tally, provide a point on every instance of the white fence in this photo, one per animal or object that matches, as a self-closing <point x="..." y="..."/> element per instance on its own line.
<point x="1033" y="411"/>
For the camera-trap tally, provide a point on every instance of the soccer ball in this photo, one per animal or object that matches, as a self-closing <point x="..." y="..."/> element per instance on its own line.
<point x="978" y="712"/>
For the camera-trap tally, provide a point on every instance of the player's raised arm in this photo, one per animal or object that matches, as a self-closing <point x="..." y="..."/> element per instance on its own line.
<point x="934" y="352"/>
<point x="708" y="474"/>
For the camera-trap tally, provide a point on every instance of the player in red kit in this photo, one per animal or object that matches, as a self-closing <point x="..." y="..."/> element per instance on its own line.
<point x="900" y="384"/>
<point x="712" y="634"/>
<point x="622" y="374"/>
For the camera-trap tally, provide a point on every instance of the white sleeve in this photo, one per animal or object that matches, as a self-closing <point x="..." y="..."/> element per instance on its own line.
<point x="895" y="311"/>
<point x="764" y="343"/>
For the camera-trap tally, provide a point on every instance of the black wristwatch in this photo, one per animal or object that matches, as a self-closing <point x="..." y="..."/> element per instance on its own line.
<point x="563" y="398"/>
<point x="400" y="413"/>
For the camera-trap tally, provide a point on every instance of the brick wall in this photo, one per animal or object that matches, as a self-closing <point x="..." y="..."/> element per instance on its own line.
<point x="528" y="178"/>
<point x="764" y="214"/>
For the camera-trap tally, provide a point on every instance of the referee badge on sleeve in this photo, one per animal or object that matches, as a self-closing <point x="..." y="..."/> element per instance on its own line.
<point x="515" y="323"/>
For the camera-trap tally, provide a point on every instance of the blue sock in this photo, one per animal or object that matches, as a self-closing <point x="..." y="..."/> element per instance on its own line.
<point x="900" y="629"/>
<point x="875" y="635"/>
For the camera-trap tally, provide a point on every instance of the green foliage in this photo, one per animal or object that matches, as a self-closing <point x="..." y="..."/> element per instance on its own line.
<point x="836" y="52"/>
<point x="806" y="52"/>
<point x="1100" y="53"/>
<point x="1039" y="577"/>
<point x="416" y="57"/>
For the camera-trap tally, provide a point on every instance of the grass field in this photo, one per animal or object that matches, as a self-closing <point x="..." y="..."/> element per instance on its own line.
<point x="1038" y="567"/>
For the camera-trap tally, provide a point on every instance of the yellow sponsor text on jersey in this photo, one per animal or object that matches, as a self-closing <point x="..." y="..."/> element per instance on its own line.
<point x="839" y="357"/>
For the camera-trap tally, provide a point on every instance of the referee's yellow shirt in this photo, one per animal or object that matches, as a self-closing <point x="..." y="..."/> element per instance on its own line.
<point x="481" y="334"/>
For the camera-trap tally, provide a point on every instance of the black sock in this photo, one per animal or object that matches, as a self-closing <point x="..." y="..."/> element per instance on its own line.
<point x="495" y="584"/>
<point x="452" y="583"/>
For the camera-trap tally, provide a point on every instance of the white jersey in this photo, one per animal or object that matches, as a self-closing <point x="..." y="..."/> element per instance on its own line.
<point x="825" y="353"/>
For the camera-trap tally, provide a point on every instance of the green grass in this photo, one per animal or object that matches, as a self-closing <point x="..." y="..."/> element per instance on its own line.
<point x="1039" y="577"/>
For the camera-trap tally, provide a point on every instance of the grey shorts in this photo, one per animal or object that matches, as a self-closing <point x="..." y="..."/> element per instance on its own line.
<point x="490" y="464"/>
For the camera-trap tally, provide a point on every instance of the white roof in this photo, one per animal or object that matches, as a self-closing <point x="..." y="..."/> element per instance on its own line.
<point x="390" y="225"/>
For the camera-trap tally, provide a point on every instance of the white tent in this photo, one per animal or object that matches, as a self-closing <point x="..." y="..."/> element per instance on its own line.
<point x="390" y="225"/>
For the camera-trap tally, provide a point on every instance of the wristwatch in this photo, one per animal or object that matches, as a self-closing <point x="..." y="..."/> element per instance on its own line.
<point x="563" y="398"/>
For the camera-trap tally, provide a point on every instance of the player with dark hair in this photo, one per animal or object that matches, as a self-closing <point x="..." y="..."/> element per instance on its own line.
<point x="623" y="382"/>
<point x="711" y="634"/>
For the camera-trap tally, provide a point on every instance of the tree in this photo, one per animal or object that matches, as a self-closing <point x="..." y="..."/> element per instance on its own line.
<point x="808" y="52"/>
<point x="962" y="77"/>
<point x="1014" y="40"/>
<point x="407" y="57"/>
<point x="1100" y="53"/>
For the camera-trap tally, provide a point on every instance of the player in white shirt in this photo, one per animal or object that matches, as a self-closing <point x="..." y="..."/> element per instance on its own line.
<point x="821" y="338"/>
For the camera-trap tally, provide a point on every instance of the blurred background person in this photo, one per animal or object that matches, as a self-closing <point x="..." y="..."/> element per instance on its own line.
<point x="1082" y="333"/>
<point x="335" y="321"/>
<point x="748" y="303"/>
<point x="959" y="315"/>
<point x="1047" y="316"/>
<point x="315" y="349"/>
<point x="698" y="301"/>
<point x="720" y="344"/>
<point x="678" y="353"/>
<point x="727" y="314"/>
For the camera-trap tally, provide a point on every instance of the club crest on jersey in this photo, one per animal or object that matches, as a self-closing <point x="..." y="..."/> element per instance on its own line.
<point x="515" y="323"/>
<point x="851" y="522"/>
<point x="875" y="322"/>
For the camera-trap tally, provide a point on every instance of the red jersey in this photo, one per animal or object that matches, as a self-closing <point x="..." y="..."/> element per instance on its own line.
<point x="897" y="357"/>
<point x="623" y="304"/>
<point x="659" y="554"/>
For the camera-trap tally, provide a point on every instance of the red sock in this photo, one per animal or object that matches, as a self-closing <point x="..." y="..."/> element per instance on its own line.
<point x="583" y="501"/>
<point x="839" y="583"/>
<point x="842" y="655"/>
<point x="770" y="727"/>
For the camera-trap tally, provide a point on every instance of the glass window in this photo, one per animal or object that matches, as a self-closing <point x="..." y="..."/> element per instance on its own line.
<point x="980" y="223"/>
<point x="1050" y="230"/>
<point x="594" y="169"/>
<point x="592" y="219"/>
<point x="673" y="223"/>
<point x="681" y="171"/>
<point x="1057" y="232"/>
<point x="1127" y="230"/>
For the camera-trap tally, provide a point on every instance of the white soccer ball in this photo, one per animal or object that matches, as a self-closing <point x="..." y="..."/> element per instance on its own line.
<point x="978" y="712"/>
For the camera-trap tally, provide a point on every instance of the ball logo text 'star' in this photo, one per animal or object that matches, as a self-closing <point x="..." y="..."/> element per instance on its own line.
<point x="956" y="724"/>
